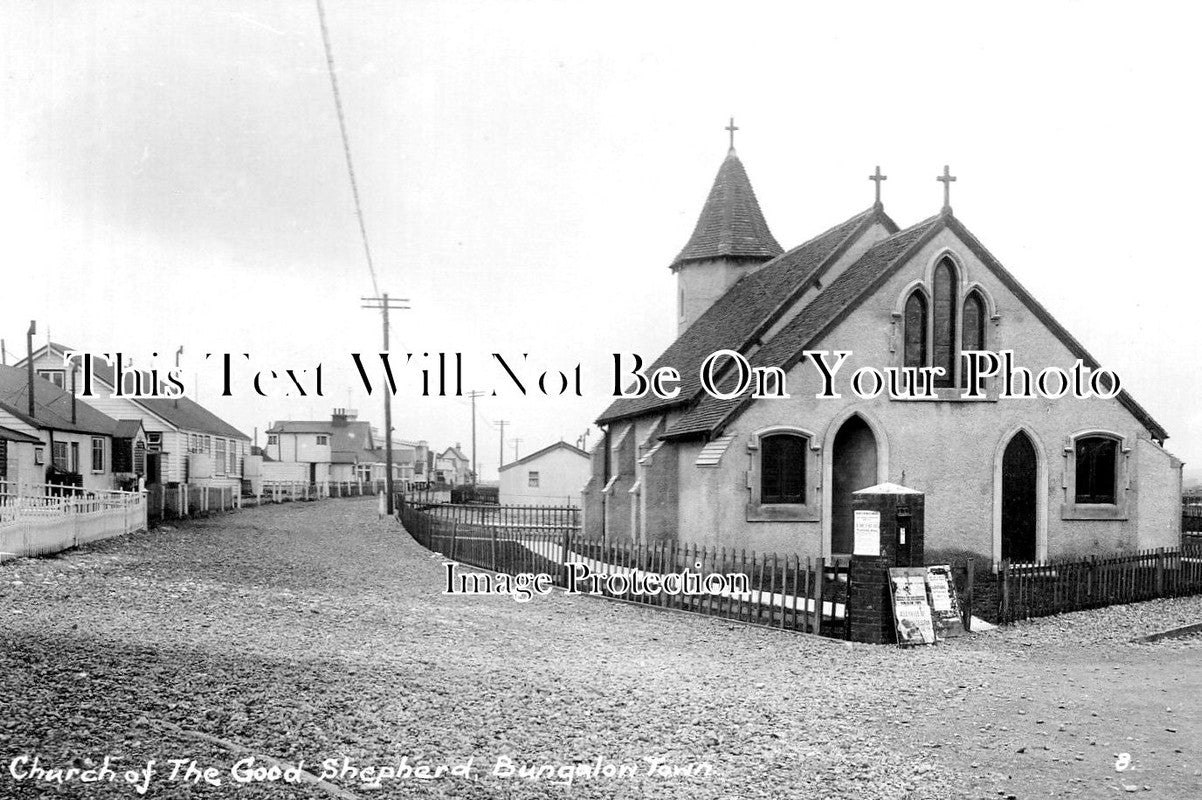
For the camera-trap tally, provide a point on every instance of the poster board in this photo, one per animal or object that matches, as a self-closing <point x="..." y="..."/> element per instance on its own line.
<point x="867" y="533"/>
<point x="945" y="604"/>
<point x="912" y="618"/>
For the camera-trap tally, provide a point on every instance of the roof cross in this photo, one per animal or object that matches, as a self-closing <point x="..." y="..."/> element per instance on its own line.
<point x="876" y="178"/>
<point x="946" y="179"/>
<point x="732" y="128"/>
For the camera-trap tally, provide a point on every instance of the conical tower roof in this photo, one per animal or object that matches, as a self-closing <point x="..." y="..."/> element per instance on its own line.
<point x="731" y="224"/>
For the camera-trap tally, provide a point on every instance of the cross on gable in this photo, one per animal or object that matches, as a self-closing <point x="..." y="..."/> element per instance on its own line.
<point x="732" y="128"/>
<point x="946" y="179"/>
<point x="876" y="178"/>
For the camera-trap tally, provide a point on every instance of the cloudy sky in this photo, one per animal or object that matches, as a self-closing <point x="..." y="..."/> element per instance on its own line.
<point x="172" y="174"/>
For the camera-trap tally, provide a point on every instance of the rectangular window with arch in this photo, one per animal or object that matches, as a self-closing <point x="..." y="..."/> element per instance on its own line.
<point x="1095" y="476"/>
<point x="784" y="468"/>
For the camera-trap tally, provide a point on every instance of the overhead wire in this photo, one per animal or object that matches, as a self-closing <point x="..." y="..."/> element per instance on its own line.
<point x="346" y="145"/>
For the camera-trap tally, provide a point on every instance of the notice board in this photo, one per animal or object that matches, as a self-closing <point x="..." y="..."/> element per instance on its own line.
<point x="866" y="533"/>
<point x="911" y="608"/>
<point x="945" y="605"/>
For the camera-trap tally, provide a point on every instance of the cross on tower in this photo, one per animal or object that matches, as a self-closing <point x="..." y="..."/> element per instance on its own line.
<point x="876" y="178"/>
<point x="732" y="128"/>
<point x="946" y="179"/>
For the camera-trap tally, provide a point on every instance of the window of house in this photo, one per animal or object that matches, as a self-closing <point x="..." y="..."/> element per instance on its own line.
<point x="322" y="440"/>
<point x="1096" y="473"/>
<point x="208" y="444"/>
<point x="782" y="469"/>
<point x="75" y="466"/>
<point x="532" y="479"/>
<point x="219" y="456"/>
<point x="154" y="441"/>
<point x="39" y="455"/>
<point x="97" y="454"/>
<point x="58" y="456"/>
<point x="943" y="345"/>
<point x="56" y="376"/>
<point x="233" y="467"/>
<point x="916" y="330"/>
<point x="272" y="439"/>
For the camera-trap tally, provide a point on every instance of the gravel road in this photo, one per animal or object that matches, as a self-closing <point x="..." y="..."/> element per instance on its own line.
<point x="311" y="633"/>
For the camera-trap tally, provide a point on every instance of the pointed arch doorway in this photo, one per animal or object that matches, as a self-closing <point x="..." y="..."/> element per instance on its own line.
<point x="853" y="466"/>
<point x="1020" y="508"/>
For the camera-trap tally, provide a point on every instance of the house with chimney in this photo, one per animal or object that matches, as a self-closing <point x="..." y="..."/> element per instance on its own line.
<point x="49" y="436"/>
<point x="342" y="448"/>
<point x="177" y="441"/>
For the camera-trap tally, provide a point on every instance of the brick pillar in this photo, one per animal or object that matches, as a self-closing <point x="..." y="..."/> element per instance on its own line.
<point x="868" y="604"/>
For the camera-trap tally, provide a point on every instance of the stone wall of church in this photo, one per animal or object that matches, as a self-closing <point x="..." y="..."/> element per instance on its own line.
<point x="949" y="449"/>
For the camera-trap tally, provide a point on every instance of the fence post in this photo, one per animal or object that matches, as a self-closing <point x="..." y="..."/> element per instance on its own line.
<point x="454" y="537"/>
<point x="567" y="544"/>
<point x="819" y="579"/>
<point x="1005" y="615"/>
<point x="1160" y="572"/>
<point x="968" y="596"/>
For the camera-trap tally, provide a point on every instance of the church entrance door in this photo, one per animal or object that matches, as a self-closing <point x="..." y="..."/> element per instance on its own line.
<point x="853" y="466"/>
<point x="1019" y="514"/>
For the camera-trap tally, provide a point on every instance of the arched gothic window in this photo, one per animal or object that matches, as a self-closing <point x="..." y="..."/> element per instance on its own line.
<point x="916" y="330"/>
<point x="783" y="468"/>
<point x="973" y="337"/>
<point x="943" y="346"/>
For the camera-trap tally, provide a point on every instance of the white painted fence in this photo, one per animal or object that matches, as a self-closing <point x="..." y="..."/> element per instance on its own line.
<point x="38" y="519"/>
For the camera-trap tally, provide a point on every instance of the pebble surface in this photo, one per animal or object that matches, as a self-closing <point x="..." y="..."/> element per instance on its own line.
<point x="315" y="631"/>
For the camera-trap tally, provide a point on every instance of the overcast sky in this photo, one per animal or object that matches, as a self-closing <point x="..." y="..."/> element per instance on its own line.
<point x="172" y="174"/>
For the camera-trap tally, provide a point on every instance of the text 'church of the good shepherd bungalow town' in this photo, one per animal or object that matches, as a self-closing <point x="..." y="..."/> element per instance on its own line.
<point x="1018" y="479"/>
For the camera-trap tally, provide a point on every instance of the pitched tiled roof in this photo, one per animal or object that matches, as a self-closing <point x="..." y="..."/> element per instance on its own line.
<point x="557" y="445"/>
<point x="181" y="412"/>
<point x="52" y="406"/>
<point x="16" y="436"/>
<point x="731" y="223"/>
<point x="823" y="311"/>
<point x="857" y="282"/>
<point x="746" y="310"/>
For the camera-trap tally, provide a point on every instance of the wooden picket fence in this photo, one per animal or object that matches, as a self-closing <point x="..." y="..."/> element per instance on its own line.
<point x="785" y="592"/>
<point x="1037" y="590"/>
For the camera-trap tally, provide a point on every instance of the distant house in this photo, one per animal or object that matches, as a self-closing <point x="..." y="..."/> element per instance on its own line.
<point x="451" y="467"/>
<point x="59" y="440"/>
<point x="182" y="441"/>
<point x="554" y="475"/>
<point x="342" y="448"/>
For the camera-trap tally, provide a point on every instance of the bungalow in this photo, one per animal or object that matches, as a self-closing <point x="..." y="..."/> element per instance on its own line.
<point x="53" y="438"/>
<point x="553" y="476"/>
<point x="183" y="442"/>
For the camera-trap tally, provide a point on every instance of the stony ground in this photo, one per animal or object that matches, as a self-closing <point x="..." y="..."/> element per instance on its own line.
<point x="314" y="632"/>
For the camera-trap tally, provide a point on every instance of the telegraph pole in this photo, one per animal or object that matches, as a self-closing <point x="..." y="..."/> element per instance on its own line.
<point x="383" y="303"/>
<point x="501" y="450"/>
<point x="474" y="394"/>
<point x="516" y="442"/>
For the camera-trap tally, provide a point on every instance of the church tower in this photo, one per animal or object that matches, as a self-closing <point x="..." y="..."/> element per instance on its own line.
<point x="731" y="239"/>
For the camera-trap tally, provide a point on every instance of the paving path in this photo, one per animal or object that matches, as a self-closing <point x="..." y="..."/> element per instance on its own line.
<point x="314" y="632"/>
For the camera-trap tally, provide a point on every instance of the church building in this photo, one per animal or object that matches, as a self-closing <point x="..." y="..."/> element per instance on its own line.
<point x="1004" y="478"/>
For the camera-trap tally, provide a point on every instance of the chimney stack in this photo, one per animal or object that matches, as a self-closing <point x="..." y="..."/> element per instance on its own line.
<point x="33" y="329"/>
